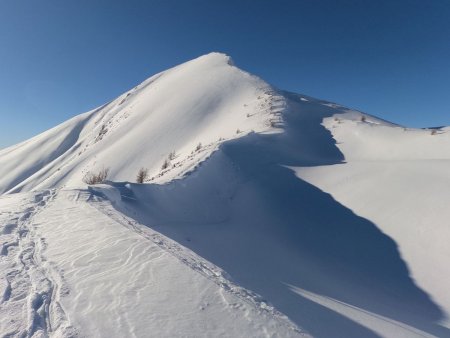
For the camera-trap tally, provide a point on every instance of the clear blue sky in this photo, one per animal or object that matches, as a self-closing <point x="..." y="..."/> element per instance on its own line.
<point x="61" y="58"/>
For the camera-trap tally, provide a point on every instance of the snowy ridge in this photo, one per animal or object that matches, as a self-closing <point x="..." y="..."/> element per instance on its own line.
<point x="264" y="213"/>
<point x="245" y="201"/>
<point x="363" y="137"/>
<point x="198" y="104"/>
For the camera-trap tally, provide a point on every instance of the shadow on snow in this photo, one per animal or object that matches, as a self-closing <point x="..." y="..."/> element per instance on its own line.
<point x="277" y="230"/>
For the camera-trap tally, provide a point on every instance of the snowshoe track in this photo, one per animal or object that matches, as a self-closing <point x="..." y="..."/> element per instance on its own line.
<point x="31" y="287"/>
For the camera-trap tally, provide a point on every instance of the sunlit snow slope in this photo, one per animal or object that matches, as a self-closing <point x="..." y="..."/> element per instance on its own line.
<point x="276" y="214"/>
<point x="204" y="101"/>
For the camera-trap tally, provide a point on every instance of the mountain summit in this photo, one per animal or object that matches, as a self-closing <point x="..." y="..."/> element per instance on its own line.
<point x="198" y="102"/>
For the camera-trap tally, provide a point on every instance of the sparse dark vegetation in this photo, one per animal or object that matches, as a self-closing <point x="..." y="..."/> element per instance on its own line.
<point x="363" y="119"/>
<point x="199" y="146"/>
<point x="101" y="133"/>
<point x="165" y="164"/>
<point x="142" y="175"/>
<point x="96" y="178"/>
<point x="172" y="155"/>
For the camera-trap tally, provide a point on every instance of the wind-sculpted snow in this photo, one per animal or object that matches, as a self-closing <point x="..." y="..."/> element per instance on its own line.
<point x="123" y="279"/>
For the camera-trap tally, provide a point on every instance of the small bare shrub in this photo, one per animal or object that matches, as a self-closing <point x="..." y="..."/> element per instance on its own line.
<point x="142" y="175"/>
<point x="363" y="118"/>
<point x="434" y="132"/>
<point x="199" y="146"/>
<point x="172" y="155"/>
<point x="165" y="164"/>
<point x="96" y="178"/>
<point x="101" y="133"/>
<point x="238" y="131"/>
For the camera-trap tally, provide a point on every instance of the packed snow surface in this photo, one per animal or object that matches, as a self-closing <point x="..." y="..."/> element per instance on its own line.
<point x="264" y="214"/>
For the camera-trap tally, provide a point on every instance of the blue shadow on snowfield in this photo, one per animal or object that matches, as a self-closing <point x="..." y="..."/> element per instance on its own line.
<point x="280" y="230"/>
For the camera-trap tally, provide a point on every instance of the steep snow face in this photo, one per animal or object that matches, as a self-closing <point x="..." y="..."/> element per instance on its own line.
<point x="40" y="157"/>
<point x="187" y="111"/>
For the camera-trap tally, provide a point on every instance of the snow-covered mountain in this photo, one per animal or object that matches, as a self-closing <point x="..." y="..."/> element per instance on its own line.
<point x="264" y="213"/>
<point x="198" y="102"/>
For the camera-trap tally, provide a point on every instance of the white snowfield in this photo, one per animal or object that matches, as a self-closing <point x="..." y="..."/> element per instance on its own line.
<point x="76" y="267"/>
<point x="264" y="214"/>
